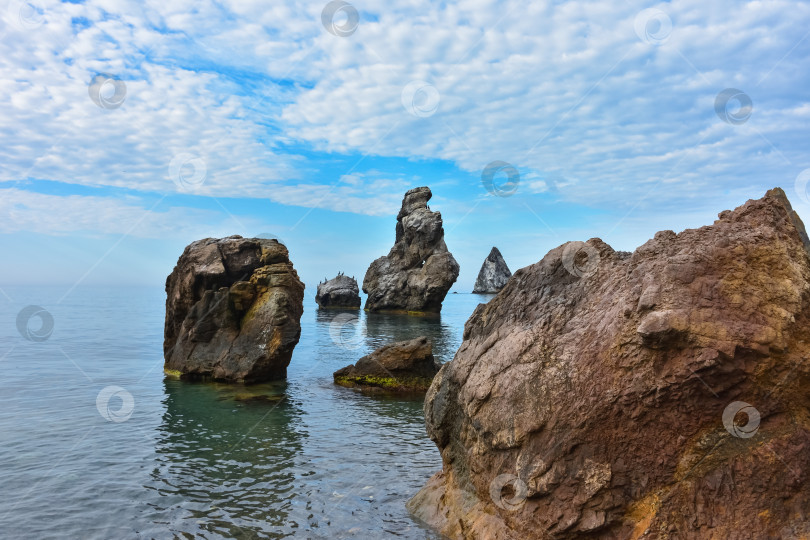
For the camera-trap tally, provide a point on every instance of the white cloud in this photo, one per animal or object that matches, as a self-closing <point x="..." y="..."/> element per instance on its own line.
<point x="24" y="211"/>
<point x="565" y="91"/>
<point x="570" y="89"/>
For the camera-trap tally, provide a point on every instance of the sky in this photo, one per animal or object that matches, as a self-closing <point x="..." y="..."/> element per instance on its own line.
<point x="130" y="129"/>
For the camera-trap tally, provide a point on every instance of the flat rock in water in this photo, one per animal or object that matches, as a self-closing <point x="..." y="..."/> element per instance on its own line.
<point x="339" y="292"/>
<point x="493" y="274"/>
<point x="419" y="270"/>
<point x="401" y="366"/>
<point x="233" y="311"/>
<point x="658" y="394"/>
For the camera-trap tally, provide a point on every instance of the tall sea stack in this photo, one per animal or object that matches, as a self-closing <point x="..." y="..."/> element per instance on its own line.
<point x="419" y="270"/>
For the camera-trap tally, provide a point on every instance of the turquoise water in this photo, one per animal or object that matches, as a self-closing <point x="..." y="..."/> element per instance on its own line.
<point x="151" y="457"/>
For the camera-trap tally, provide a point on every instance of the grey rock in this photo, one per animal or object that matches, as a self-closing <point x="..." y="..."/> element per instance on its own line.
<point x="493" y="274"/>
<point x="339" y="292"/>
<point x="419" y="270"/>
<point x="233" y="311"/>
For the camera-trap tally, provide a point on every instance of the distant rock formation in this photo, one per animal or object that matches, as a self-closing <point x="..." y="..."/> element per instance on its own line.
<point x="493" y="274"/>
<point x="418" y="271"/>
<point x="402" y="366"/>
<point x="339" y="292"/>
<point x="658" y="394"/>
<point x="233" y="308"/>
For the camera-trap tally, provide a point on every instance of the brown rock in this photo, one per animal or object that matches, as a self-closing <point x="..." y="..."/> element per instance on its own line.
<point x="401" y="366"/>
<point x="613" y="403"/>
<point x="233" y="308"/>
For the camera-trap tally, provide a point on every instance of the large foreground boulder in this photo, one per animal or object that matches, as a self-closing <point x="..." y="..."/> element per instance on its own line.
<point x="402" y="366"/>
<point x="493" y="274"/>
<point x="418" y="271"/>
<point x="233" y="308"/>
<point x="340" y="292"/>
<point x="658" y="394"/>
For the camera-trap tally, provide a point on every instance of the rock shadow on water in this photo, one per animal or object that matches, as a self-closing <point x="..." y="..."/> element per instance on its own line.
<point x="224" y="460"/>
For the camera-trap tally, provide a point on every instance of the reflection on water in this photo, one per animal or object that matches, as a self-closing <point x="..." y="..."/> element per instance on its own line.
<point x="224" y="459"/>
<point x="302" y="459"/>
<point x="358" y="330"/>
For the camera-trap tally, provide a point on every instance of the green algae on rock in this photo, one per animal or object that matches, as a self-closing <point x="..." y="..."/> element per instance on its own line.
<point x="233" y="308"/>
<point x="404" y="366"/>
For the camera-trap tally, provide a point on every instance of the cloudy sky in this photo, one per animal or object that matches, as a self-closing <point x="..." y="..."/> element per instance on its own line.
<point x="129" y="129"/>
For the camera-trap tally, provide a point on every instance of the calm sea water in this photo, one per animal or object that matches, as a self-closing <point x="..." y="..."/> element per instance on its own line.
<point x="96" y="443"/>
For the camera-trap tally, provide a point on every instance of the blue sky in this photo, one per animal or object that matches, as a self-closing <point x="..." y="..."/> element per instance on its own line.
<point x="246" y="117"/>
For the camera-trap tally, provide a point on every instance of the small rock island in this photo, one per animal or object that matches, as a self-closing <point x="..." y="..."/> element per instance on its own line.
<point x="404" y="366"/>
<point x="419" y="270"/>
<point x="233" y="311"/>
<point x="493" y="274"/>
<point x="661" y="395"/>
<point x="340" y="292"/>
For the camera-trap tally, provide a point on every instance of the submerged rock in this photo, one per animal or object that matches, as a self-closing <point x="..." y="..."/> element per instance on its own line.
<point x="339" y="292"/>
<point x="658" y="394"/>
<point x="233" y="308"/>
<point x="401" y="366"/>
<point x="418" y="271"/>
<point x="493" y="274"/>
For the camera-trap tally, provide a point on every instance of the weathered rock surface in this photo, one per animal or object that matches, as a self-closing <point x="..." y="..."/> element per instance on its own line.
<point x="401" y="366"/>
<point x="493" y="274"/>
<point x="339" y="292"/>
<point x="418" y="271"/>
<point x="601" y="404"/>
<point x="233" y="308"/>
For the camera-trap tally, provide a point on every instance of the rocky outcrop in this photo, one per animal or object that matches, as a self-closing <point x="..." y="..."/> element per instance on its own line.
<point x="402" y="366"/>
<point x="418" y="271"/>
<point x="493" y="274"/>
<point x="658" y="394"/>
<point x="339" y="292"/>
<point x="233" y="308"/>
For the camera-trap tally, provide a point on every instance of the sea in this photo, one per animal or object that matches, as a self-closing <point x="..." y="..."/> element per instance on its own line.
<point x="96" y="442"/>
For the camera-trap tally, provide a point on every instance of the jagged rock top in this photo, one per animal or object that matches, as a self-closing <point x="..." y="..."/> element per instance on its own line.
<point x="493" y="274"/>
<point x="339" y="292"/>
<point x="600" y="384"/>
<point x="419" y="270"/>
